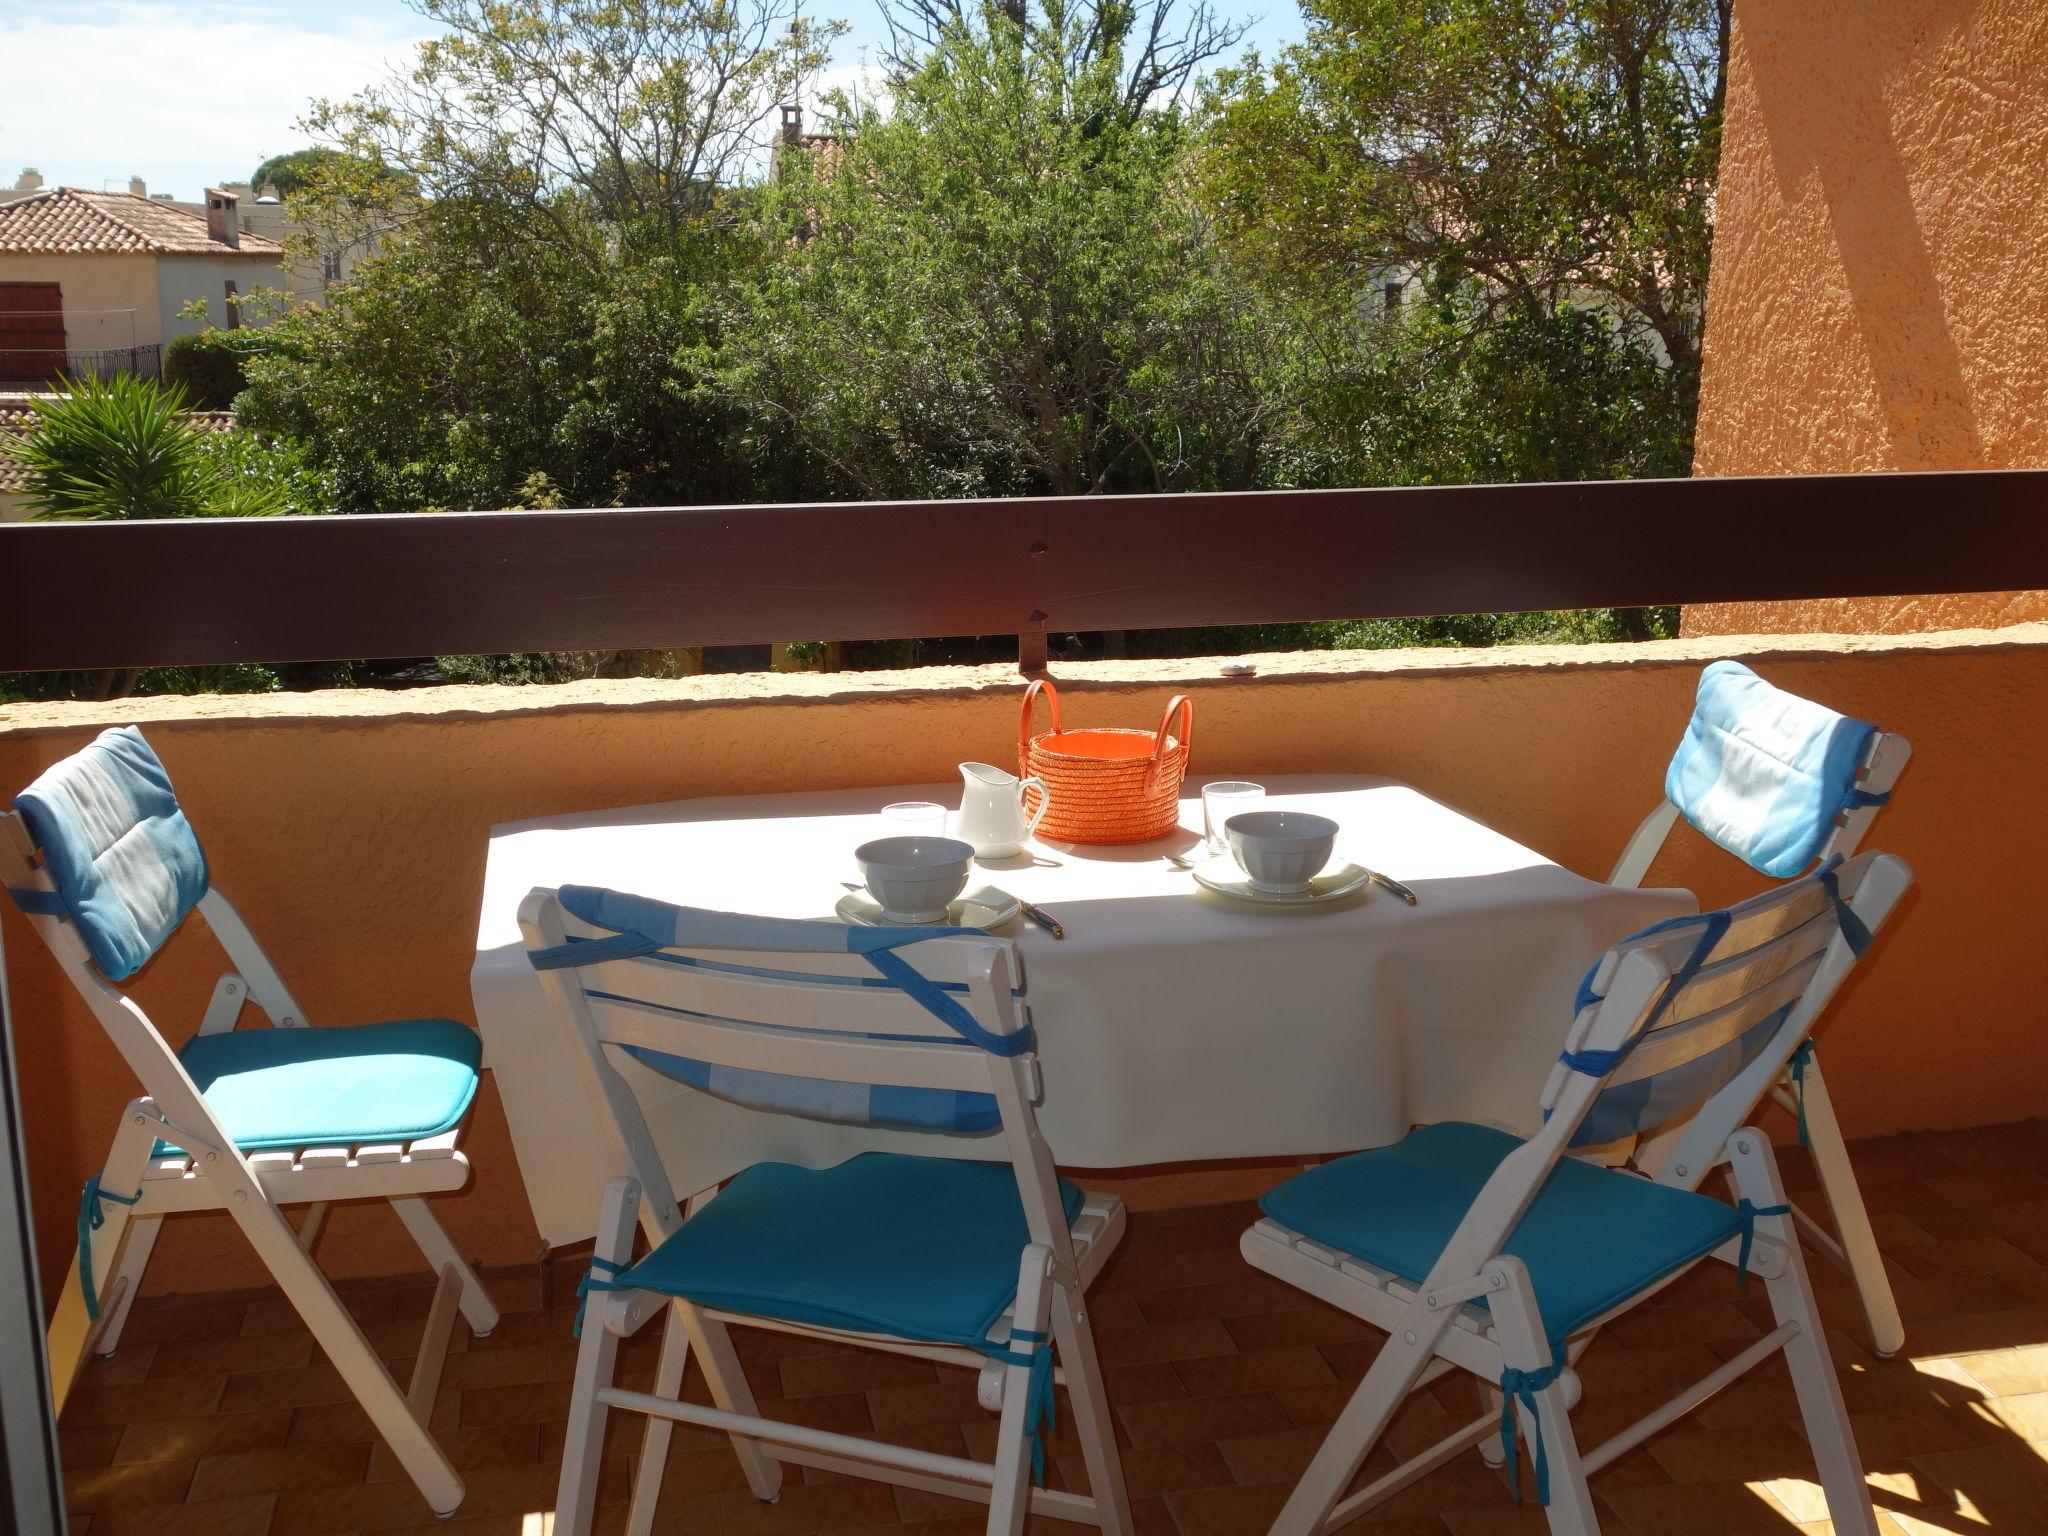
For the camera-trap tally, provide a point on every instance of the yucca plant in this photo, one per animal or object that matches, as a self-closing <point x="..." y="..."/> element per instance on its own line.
<point x="121" y="447"/>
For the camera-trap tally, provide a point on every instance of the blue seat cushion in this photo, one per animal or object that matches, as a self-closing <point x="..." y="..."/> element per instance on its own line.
<point x="1594" y="1237"/>
<point x="290" y="1088"/>
<point x="921" y="1248"/>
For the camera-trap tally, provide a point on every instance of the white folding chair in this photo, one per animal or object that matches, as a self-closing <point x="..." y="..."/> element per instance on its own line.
<point x="982" y="1264"/>
<point x="1480" y="1251"/>
<point x="1785" y="784"/>
<point x="103" y="861"/>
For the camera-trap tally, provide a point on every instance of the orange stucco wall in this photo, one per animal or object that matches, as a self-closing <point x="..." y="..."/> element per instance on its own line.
<point x="1876" y="298"/>
<point x="351" y="828"/>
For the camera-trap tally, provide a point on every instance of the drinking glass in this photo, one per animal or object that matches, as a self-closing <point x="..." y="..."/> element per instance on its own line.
<point x="915" y="818"/>
<point x="1222" y="801"/>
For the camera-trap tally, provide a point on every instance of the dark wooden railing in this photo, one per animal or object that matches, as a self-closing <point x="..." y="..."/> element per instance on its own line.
<point x="92" y="595"/>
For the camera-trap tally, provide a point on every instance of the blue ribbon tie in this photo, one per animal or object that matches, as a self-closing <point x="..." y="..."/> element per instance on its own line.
<point x="599" y="1277"/>
<point x="1522" y="1387"/>
<point x="1749" y="1215"/>
<point x="1854" y="929"/>
<point x="1041" y="1412"/>
<point x="1800" y="1058"/>
<point x="91" y="1217"/>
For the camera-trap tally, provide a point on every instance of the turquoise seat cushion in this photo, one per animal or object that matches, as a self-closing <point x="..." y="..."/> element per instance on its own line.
<point x="290" y="1088"/>
<point x="1594" y="1237"/>
<point x="921" y="1248"/>
<point x="124" y="860"/>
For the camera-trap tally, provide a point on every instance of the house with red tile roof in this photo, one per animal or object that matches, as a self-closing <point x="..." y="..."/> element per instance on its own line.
<point x="95" y="280"/>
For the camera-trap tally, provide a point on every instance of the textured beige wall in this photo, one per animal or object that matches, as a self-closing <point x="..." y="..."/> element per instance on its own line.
<point x="1876" y="299"/>
<point x="351" y="828"/>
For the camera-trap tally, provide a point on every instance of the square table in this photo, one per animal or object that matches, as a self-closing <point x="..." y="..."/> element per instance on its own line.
<point x="1174" y="1024"/>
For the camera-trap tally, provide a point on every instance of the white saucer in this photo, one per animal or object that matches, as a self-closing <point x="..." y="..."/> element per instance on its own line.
<point x="984" y="907"/>
<point x="1225" y="876"/>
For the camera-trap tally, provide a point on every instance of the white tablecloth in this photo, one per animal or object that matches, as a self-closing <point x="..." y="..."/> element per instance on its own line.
<point x="1174" y="1024"/>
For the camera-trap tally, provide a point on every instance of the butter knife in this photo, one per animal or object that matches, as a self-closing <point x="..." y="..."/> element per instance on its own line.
<point x="1043" y="918"/>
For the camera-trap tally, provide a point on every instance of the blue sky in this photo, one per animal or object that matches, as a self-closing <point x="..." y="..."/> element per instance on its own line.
<point x="186" y="92"/>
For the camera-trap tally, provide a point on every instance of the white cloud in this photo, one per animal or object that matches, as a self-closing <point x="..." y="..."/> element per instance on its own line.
<point x="101" y="89"/>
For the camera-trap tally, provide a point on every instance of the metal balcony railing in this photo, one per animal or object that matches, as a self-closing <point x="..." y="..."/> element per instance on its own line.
<point x="44" y="367"/>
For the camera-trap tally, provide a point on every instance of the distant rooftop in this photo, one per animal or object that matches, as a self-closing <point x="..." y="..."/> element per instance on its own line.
<point x="74" y="221"/>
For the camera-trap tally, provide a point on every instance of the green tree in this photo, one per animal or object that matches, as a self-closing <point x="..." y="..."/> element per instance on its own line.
<point x="1000" y="284"/>
<point x="1533" y="184"/>
<point x="557" y="187"/>
<point x="293" y="172"/>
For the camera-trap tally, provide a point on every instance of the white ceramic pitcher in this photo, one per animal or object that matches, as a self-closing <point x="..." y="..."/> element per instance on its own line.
<point x="992" y="810"/>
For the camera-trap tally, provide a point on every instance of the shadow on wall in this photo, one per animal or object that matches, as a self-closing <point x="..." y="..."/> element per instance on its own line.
<point x="1820" y="88"/>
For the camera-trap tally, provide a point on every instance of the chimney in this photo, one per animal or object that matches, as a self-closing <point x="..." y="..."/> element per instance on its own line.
<point x="792" y="124"/>
<point x="137" y="187"/>
<point x="220" y="217"/>
<point x="30" y="179"/>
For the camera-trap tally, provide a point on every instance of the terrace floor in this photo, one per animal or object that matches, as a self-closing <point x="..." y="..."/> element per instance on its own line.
<point x="217" y="1417"/>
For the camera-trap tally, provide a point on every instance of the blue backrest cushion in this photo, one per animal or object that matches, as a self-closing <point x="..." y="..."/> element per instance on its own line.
<point x="1765" y="773"/>
<point x="124" y="860"/>
<point x="877" y="1104"/>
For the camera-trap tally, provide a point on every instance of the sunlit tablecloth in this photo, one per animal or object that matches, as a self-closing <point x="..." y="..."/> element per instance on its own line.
<point x="1174" y="1024"/>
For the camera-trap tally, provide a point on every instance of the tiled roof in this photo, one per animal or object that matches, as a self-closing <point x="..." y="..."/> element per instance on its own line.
<point x="71" y="221"/>
<point x="17" y="419"/>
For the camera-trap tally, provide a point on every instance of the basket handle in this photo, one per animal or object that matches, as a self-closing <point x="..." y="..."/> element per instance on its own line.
<point x="1052" y="697"/>
<point x="1177" y="704"/>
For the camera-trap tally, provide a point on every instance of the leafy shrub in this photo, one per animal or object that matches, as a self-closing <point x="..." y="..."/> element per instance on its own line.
<point x="207" y="367"/>
<point x="122" y="448"/>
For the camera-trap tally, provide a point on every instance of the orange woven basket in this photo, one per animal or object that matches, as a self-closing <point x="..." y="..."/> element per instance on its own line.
<point x="1107" y="785"/>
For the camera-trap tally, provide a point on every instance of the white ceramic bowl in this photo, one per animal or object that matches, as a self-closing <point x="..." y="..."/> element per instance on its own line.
<point x="914" y="878"/>
<point x="1281" y="850"/>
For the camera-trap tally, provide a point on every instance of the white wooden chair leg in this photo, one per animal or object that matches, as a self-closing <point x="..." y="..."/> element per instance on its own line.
<point x="668" y="1382"/>
<point x="1090" y="1403"/>
<point x="311" y="1224"/>
<point x="1010" y="1492"/>
<point x="583" y="1450"/>
<point x="1819" y="1393"/>
<point x="71" y="1332"/>
<point x="433" y="1240"/>
<point x="1490" y="1451"/>
<point x="729" y="1390"/>
<point x="1358" y="1428"/>
<point x="339" y="1336"/>
<point x="141" y="1239"/>
<point x="1851" y="1220"/>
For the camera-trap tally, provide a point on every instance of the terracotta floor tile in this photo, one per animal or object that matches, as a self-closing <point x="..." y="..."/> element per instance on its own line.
<point x="1222" y="1383"/>
<point x="470" y="1450"/>
<point x="233" y="1355"/>
<point x="1693" y="1455"/>
<point x="805" y="1508"/>
<point x="1153" y="1382"/>
<point x="250" y="1516"/>
<point x="1259" y="1370"/>
<point x="214" y="1434"/>
<point x="2010" y="1372"/>
<point x="1202" y="1418"/>
<point x="90" y="1445"/>
<point x="1186" y="1339"/>
<point x="133" y="1402"/>
<point x="522" y="1403"/>
<point x="852" y="1371"/>
<point x="88" y="1490"/>
<point x="279" y="1471"/>
<point x="1153" y="1470"/>
<point x="1304" y="1325"/>
<point x="1963" y="1256"/>
<point x="1697" y="1509"/>
<point x="1251" y="1292"/>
